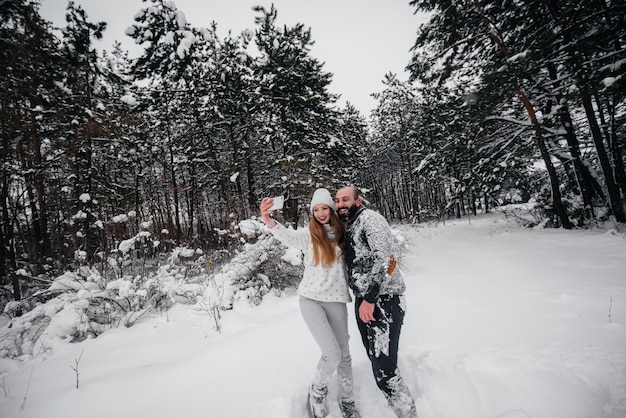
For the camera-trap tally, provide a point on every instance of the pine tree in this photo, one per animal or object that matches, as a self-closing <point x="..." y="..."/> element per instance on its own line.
<point x="83" y="127"/>
<point x="296" y="103"/>
<point x="30" y="66"/>
<point x="167" y="65"/>
<point x="346" y="154"/>
<point x="229" y="109"/>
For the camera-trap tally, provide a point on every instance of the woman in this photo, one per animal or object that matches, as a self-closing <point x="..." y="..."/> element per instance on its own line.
<point x="323" y="294"/>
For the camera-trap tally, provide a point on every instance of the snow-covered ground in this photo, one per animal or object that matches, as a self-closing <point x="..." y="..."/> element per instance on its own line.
<point x="502" y="322"/>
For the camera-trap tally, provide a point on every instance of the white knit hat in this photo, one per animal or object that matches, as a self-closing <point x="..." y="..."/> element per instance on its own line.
<point x="322" y="197"/>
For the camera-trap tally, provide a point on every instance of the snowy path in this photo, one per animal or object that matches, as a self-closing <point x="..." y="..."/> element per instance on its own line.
<point x="502" y="322"/>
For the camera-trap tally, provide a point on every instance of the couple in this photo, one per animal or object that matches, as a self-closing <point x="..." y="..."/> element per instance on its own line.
<point x="362" y="246"/>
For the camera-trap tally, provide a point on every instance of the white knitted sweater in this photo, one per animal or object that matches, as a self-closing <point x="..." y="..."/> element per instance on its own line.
<point x="325" y="284"/>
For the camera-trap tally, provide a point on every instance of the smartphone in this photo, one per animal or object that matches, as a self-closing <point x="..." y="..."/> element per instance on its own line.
<point x="277" y="203"/>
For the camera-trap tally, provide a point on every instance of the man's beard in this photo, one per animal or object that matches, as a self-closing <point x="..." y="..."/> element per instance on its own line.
<point x="351" y="211"/>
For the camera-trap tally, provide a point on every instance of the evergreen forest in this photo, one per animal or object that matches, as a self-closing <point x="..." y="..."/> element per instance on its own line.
<point x="507" y="102"/>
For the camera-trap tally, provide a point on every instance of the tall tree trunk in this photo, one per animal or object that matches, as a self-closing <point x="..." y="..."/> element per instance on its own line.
<point x="167" y="199"/>
<point x="8" y="261"/>
<point x="179" y="231"/>
<point x="610" y="129"/>
<point x="29" y="150"/>
<point x="585" y="94"/>
<point x="582" y="174"/>
<point x="618" y="159"/>
<point x="605" y="164"/>
<point x="252" y="198"/>
<point x="559" y="209"/>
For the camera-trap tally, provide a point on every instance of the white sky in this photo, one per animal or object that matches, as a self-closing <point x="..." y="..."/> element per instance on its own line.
<point x="358" y="40"/>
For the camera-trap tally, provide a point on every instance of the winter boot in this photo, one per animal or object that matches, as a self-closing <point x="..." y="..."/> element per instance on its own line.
<point x="348" y="409"/>
<point x="403" y="405"/>
<point x="317" y="401"/>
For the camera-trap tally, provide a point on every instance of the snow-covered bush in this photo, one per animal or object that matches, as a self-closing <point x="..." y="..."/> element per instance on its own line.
<point x="512" y="195"/>
<point x="83" y="304"/>
<point x="528" y="215"/>
<point x="539" y="211"/>
<point x="87" y="302"/>
<point x="261" y="265"/>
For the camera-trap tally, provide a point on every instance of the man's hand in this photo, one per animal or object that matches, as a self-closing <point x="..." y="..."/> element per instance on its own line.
<point x="366" y="311"/>
<point x="392" y="265"/>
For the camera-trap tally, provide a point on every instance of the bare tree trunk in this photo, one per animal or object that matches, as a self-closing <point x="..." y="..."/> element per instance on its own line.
<point x="585" y="94"/>
<point x="252" y="198"/>
<point x="559" y="209"/>
<point x="8" y="261"/>
<point x="605" y="164"/>
<point x="582" y="174"/>
<point x="29" y="153"/>
<point x="614" y="146"/>
<point x="610" y="130"/>
<point x="179" y="231"/>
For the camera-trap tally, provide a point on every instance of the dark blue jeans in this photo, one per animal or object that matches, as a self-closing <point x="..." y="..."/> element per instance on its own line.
<point x="381" y="337"/>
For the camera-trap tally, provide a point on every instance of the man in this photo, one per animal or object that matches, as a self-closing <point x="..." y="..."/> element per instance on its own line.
<point x="378" y="289"/>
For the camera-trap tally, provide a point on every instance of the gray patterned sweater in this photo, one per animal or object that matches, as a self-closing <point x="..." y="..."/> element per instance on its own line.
<point x="369" y="246"/>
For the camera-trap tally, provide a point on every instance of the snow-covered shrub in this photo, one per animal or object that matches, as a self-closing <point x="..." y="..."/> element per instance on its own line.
<point x="263" y="265"/>
<point x="133" y="255"/>
<point x="83" y="304"/>
<point x="527" y="215"/>
<point x="540" y="211"/>
<point x="512" y="195"/>
<point x="212" y="300"/>
<point x="87" y="302"/>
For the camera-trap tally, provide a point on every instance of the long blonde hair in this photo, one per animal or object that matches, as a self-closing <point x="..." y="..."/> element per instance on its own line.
<point x="323" y="246"/>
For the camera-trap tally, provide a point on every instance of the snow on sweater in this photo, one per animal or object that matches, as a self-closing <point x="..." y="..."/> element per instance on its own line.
<point x="324" y="284"/>
<point x="368" y="248"/>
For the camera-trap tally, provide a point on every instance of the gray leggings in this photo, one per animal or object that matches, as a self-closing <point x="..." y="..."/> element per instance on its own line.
<point x="328" y="323"/>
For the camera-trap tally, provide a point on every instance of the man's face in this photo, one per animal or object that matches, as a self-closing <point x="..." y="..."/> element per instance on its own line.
<point x="344" y="199"/>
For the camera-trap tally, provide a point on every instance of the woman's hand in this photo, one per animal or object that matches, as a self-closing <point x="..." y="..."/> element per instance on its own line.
<point x="266" y="204"/>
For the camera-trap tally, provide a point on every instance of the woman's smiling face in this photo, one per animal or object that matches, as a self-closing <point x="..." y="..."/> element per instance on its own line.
<point x="322" y="213"/>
